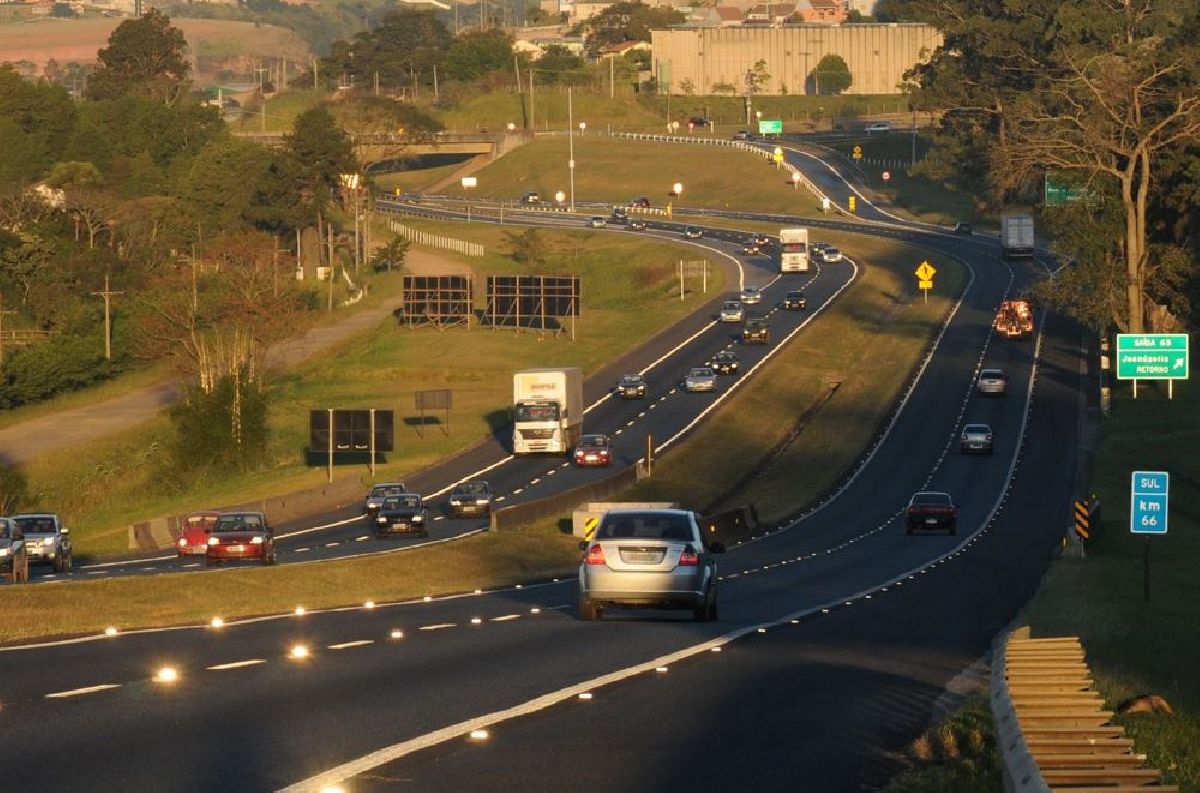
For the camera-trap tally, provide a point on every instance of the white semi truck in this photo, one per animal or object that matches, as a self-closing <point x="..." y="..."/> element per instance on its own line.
<point x="793" y="250"/>
<point x="1016" y="236"/>
<point x="547" y="410"/>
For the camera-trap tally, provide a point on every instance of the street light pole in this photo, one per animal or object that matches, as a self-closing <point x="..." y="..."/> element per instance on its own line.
<point x="571" y="146"/>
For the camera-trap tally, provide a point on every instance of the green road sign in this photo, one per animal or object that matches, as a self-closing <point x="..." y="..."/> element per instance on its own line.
<point x="1152" y="356"/>
<point x="1056" y="194"/>
<point x="772" y="127"/>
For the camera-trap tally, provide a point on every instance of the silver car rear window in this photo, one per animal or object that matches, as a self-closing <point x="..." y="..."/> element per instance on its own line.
<point x="645" y="526"/>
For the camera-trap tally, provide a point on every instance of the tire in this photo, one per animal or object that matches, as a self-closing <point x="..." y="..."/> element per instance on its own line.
<point x="589" y="610"/>
<point x="713" y="613"/>
<point x="68" y="563"/>
<point x="25" y="572"/>
<point x="953" y="529"/>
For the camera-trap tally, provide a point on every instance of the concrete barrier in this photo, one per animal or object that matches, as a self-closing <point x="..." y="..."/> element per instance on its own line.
<point x="508" y="518"/>
<point x="585" y="519"/>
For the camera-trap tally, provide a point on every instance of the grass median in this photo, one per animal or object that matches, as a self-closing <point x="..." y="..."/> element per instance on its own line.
<point x="879" y="311"/>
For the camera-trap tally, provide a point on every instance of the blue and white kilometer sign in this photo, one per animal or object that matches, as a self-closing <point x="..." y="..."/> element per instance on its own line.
<point x="1148" y="502"/>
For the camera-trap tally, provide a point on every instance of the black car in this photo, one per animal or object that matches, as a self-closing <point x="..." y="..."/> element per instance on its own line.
<point x="531" y="198"/>
<point x="724" y="362"/>
<point x="963" y="228"/>
<point x="471" y="498"/>
<point x="631" y="386"/>
<point x="698" y="121"/>
<point x="756" y="331"/>
<point x="620" y="214"/>
<point x="403" y="514"/>
<point x="641" y="202"/>
<point x="637" y="225"/>
<point x="795" y="300"/>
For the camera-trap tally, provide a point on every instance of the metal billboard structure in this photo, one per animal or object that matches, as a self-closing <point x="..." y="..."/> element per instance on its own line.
<point x="531" y="301"/>
<point x="438" y="300"/>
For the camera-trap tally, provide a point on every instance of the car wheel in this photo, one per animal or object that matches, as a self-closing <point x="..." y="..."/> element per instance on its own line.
<point x="589" y="610"/>
<point x="67" y="563"/>
<point x="713" y="615"/>
<point x="953" y="529"/>
<point x="25" y="572"/>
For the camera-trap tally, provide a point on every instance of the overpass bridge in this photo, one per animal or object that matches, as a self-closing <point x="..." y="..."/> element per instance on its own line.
<point x="373" y="148"/>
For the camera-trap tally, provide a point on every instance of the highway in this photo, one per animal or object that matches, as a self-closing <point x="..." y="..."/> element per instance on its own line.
<point x="837" y="636"/>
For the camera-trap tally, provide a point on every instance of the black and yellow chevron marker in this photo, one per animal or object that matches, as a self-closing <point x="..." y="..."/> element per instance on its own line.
<point x="589" y="528"/>
<point x="1083" y="520"/>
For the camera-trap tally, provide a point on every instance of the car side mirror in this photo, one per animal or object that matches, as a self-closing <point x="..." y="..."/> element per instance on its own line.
<point x="583" y="545"/>
<point x="716" y="547"/>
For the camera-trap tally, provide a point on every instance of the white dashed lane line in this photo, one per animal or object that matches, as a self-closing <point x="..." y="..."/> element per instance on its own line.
<point x="348" y="645"/>
<point x="506" y="617"/>
<point x="237" y="664"/>
<point x="439" y="626"/>
<point x="75" y="692"/>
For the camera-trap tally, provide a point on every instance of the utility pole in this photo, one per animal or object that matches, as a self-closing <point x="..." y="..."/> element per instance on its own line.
<point x="532" y="123"/>
<point x="3" y="311"/>
<point x="108" y="295"/>
<point x="571" y="147"/>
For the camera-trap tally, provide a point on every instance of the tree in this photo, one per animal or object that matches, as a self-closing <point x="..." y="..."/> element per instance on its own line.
<point x="14" y="489"/>
<point x="832" y="75"/>
<point x="322" y="148"/>
<point x="478" y="52"/>
<point x="391" y="256"/>
<point x="145" y="57"/>
<point x="406" y="43"/>
<point x="757" y="78"/>
<point x="626" y="21"/>
<point x="529" y="247"/>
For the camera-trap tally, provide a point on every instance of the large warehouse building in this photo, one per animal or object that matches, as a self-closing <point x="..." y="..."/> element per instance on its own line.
<point x="717" y="60"/>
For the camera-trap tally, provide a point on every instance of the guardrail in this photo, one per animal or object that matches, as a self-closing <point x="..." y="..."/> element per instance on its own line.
<point x="1052" y="730"/>
<point x="436" y="240"/>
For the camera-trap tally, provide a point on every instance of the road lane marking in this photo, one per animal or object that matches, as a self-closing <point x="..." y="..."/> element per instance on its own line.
<point x="86" y="690"/>
<point x="506" y="617"/>
<point x="348" y="645"/>
<point x="236" y="664"/>
<point x="439" y="626"/>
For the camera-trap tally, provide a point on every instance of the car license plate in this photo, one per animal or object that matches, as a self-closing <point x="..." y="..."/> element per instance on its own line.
<point x="642" y="556"/>
<point x="931" y="521"/>
<point x="468" y="508"/>
<point x="236" y="548"/>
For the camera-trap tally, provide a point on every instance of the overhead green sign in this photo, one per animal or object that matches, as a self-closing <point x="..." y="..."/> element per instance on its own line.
<point x="772" y="127"/>
<point x="1058" y="194"/>
<point x="1152" y="356"/>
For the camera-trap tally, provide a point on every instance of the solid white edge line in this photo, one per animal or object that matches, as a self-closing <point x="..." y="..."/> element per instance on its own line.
<point x="86" y="690"/>
<point x="236" y="664"/>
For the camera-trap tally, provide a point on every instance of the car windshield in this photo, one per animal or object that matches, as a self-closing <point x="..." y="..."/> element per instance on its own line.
<point x="382" y="491"/>
<point x="701" y="373"/>
<point x="631" y="380"/>
<point x="472" y="489"/>
<point x="731" y="306"/>
<point x="832" y="252"/>
<point x="402" y="502"/>
<point x="238" y="523"/>
<point x="526" y="412"/>
<point x="991" y="374"/>
<point x="5" y="529"/>
<point x="201" y="521"/>
<point x="646" y="526"/>
<point x="724" y="356"/>
<point x="795" y="295"/>
<point x="931" y="500"/>
<point x="756" y="323"/>
<point x="977" y="429"/>
<point x="35" y="525"/>
<point x="593" y="442"/>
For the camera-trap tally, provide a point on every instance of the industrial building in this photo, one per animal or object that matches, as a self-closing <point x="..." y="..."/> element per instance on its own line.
<point x="715" y="60"/>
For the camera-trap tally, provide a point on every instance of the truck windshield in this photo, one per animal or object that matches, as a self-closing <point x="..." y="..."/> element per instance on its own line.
<point x="793" y="247"/>
<point x="526" y="412"/>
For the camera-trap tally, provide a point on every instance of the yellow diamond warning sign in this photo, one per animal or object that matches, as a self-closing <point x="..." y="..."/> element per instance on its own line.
<point x="925" y="272"/>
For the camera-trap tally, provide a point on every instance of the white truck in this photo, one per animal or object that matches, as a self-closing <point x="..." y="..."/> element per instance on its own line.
<point x="793" y="250"/>
<point x="547" y="410"/>
<point x="1016" y="236"/>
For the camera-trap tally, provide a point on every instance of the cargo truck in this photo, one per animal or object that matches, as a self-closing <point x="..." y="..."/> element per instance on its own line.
<point x="547" y="410"/>
<point x="793" y="250"/>
<point x="1016" y="236"/>
<point x="1014" y="319"/>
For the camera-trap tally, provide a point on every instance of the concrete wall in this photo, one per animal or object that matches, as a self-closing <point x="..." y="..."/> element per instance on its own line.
<point x="878" y="55"/>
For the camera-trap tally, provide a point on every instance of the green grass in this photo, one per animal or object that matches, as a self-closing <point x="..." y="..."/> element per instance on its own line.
<point x="615" y="171"/>
<point x="629" y="293"/>
<point x="282" y="109"/>
<point x="412" y="180"/>
<point x="956" y="756"/>
<point x="1133" y="646"/>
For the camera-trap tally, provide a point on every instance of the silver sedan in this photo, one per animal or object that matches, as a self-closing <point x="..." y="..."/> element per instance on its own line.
<point x="649" y="558"/>
<point x="701" y="378"/>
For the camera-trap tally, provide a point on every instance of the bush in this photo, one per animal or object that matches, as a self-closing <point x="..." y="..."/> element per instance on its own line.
<point x="205" y="439"/>
<point x="13" y="489"/>
<point x="62" y="364"/>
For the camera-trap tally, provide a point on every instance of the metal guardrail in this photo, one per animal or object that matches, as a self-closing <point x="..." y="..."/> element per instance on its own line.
<point x="437" y="241"/>
<point x="1052" y="730"/>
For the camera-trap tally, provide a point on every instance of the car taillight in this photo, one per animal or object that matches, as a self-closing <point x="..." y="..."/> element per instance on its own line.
<point x="183" y="541"/>
<point x="214" y="540"/>
<point x="689" y="557"/>
<point x="595" y="555"/>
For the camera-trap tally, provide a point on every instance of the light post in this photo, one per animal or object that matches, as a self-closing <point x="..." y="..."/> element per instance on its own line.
<point x="571" y="147"/>
<point x="758" y="118"/>
<point x="582" y="127"/>
<point x="795" y="180"/>
<point x="677" y="189"/>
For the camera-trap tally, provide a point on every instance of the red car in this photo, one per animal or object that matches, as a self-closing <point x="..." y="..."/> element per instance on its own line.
<point x="193" y="533"/>
<point x="593" y="450"/>
<point x="241" y="535"/>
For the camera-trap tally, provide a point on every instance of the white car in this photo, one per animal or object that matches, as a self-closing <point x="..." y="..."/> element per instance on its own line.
<point x="700" y="379"/>
<point x="597" y="222"/>
<point x="732" y="311"/>
<point x="751" y="296"/>
<point x="992" y="382"/>
<point x="878" y="126"/>
<point x="831" y="255"/>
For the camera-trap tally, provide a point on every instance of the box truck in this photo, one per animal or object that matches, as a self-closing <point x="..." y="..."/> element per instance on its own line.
<point x="793" y="250"/>
<point x="1016" y="236"/>
<point x="547" y="410"/>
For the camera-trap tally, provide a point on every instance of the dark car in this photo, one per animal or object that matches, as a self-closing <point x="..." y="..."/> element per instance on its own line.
<point x="378" y="493"/>
<point x="641" y="202"/>
<point x="762" y="240"/>
<point x="963" y="228"/>
<point x="693" y="232"/>
<point x="637" y="225"/>
<point x="932" y="510"/>
<point x="631" y="386"/>
<point x="795" y="300"/>
<point x="46" y="539"/>
<point x="14" y="559"/>
<point x="756" y="331"/>
<point x="531" y="198"/>
<point x="402" y="514"/>
<point x="620" y="214"/>
<point x="724" y="362"/>
<point x="471" y="498"/>
<point x="240" y="535"/>
<point x="742" y="134"/>
<point x="593" y="450"/>
<point x="751" y="249"/>
<point x="698" y="121"/>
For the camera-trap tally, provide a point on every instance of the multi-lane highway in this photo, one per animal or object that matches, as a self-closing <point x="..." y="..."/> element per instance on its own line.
<point x="838" y="633"/>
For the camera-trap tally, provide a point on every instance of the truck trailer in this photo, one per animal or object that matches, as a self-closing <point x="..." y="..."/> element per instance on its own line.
<point x="793" y="250"/>
<point x="547" y="410"/>
<point x="1016" y="236"/>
